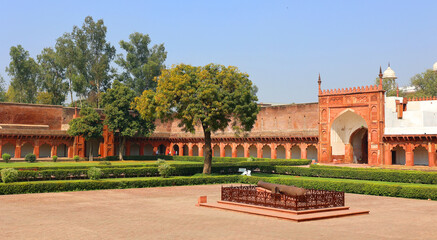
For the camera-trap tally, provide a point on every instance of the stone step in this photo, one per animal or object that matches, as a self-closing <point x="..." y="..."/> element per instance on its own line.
<point x="285" y="214"/>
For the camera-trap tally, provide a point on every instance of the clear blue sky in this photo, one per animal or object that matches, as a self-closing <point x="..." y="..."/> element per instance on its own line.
<point x="282" y="45"/>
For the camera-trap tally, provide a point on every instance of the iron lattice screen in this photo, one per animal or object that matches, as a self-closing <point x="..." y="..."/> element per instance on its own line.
<point x="313" y="199"/>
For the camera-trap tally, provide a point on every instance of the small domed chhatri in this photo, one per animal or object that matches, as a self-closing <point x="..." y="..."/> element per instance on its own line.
<point x="389" y="73"/>
<point x="434" y="67"/>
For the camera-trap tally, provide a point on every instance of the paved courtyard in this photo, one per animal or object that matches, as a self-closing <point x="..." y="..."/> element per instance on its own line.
<point x="170" y="213"/>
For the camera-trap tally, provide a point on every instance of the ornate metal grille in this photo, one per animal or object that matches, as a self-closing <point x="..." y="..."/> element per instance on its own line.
<point x="313" y="199"/>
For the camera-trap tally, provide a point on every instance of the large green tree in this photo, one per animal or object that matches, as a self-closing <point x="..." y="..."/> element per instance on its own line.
<point x="390" y="87"/>
<point x="141" y="63"/>
<point x="3" y="97"/>
<point x="24" y="72"/>
<point x="212" y="96"/>
<point x="89" y="125"/>
<point x="121" y="118"/>
<point x="86" y="56"/>
<point x="425" y="84"/>
<point x="51" y="80"/>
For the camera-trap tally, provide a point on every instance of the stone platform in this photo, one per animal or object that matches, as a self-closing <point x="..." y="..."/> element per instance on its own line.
<point x="298" y="216"/>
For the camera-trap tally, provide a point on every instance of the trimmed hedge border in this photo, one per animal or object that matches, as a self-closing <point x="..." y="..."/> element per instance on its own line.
<point x="351" y="186"/>
<point x="191" y="158"/>
<point x="385" y="175"/>
<point x="403" y="190"/>
<point x="149" y="170"/>
<point x="83" y="185"/>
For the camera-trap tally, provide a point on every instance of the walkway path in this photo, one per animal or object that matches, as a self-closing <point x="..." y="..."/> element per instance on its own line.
<point x="170" y="213"/>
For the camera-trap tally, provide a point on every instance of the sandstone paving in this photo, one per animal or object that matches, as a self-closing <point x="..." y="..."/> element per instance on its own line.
<point x="170" y="213"/>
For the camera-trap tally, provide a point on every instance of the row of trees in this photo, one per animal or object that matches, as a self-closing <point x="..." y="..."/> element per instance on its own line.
<point x="212" y="96"/>
<point x="425" y="85"/>
<point x="80" y="64"/>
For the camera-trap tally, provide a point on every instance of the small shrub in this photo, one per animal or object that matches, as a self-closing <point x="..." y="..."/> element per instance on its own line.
<point x="55" y="158"/>
<point x="94" y="173"/>
<point x="160" y="161"/>
<point x="250" y="159"/>
<point x="165" y="170"/>
<point x="105" y="163"/>
<point x="30" y="157"/>
<point x="6" y="157"/>
<point x="76" y="158"/>
<point x="9" y="175"/>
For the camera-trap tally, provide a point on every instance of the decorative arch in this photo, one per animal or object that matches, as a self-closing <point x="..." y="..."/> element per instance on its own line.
<point x="8" y="148"/>
<point x="216" y="150"/>
<point x="253" y="151"/>
<point x="240" y="150"/>
<point x="420" y="155"/>
<point x="280" y="152"/>
<point x="312" y="152"/>
<point x="228" y="150"/>
<point x="296" y="152"/>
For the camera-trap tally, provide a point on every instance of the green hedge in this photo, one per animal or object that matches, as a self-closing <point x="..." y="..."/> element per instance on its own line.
<point x="82" y="185"/>
<point x="403" y="190"/>
<point x="419" y="191"/>
<point x="386" y="175"/>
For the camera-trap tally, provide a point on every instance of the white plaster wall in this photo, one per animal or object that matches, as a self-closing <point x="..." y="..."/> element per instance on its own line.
<point x="253" y="151"/>
<point x="9" y="148"/>
<point x="267" y="153"/>
<point x="148" y="150"/>
<point x="342" y="128"/>
<point x="134" y="150"/>
<point x="45" y="151"/>
<point x="419" y="118"/>
<point x="312" y="153"/>
<point x="240" y="151"/>
<point x="62" y="151"/>
<point x="228" y="151"/>
<point x="280" y="152"/>
<point x="421" y="156"/>
<point x="25" y="149"/>
<point x="295" y="152"/>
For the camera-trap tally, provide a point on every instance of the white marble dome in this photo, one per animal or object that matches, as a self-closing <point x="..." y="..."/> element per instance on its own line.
<point x="434" y="67"/>
<point x="389" y="73"/>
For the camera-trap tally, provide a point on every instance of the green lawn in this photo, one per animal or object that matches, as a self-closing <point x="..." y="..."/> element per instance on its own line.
<point x="84" y="164"/>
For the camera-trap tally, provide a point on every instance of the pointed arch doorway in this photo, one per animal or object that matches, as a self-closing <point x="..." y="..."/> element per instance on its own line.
<point x="349" y="138"/>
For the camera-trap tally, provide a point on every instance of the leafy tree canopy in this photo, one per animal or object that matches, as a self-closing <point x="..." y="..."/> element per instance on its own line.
<point x="390" y="86"/>
<point x="3" y="97"/>
<point x="51" y="79"/>
<point x="141" y="64"/>
<point x="120" y="117"/>
<point x="425" y="84"/>
<point x="212" y="96"/>
<point x="88" y="125"/>
<point x="24" y="72"/>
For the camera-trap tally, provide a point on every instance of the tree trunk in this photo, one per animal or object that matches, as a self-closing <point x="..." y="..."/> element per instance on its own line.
<point x="71" y="91"/>
<point x="121" y="148"/>
<point x="208" y="153"/>
<point x="90" y="157"/>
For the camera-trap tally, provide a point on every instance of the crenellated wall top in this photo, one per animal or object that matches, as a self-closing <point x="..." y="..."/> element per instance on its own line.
<point x="342" y="91"/>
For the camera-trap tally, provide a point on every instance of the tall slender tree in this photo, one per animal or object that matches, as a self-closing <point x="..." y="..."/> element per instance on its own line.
<point x="93" y="57"/>
<point x="211" y="97"/>
<point x="3" y="97"/>
<point x="141" y="63"/>
<point x="51" y="79"/>
<point x="24" y="72"/>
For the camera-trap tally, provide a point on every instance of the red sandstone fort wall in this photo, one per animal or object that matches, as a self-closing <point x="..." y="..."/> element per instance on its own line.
<point x="13" y="113"/>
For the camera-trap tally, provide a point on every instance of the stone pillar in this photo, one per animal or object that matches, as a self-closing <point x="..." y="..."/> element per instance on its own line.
<point x="259" y="150"/>
<point x="181" y="149"/>
<point x="35" y="149"/>
<point x="155" y="149"/>
<point x="273" y="153"/>
<point x="171" y="149"/>
<point x="348" y="153"/>
<point x="287" y="151"/>
<point x="18" y="149"/>
<point x="303" y="151"/>
<point x="431" y="155"/>
<point x="222" y="150"/>
<point x="70" y="151"/>
<point x="53" y="150"/>
<point x="200" y="145"/>
<point x="246" y="150"/>
<point x="234" y="150"/>
<point x="190" y="149"/>
<point x="409" y="155"/>
<point x="387" y="155"/>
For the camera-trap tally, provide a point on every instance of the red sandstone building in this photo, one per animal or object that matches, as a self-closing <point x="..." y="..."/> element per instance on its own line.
<point x="355" y="125"/>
